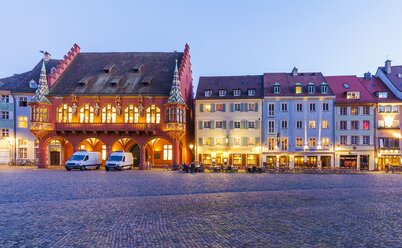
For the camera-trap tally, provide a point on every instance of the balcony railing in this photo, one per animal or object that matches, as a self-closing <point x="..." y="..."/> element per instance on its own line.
<point x="107" y="127"/>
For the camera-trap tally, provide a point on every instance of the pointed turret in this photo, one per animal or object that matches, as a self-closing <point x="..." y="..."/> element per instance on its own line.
<point x="175" y="96"/>
<point x="42" y="90"/>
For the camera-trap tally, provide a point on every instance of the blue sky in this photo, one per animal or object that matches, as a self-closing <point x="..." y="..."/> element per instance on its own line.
<point x="225" y="37"/>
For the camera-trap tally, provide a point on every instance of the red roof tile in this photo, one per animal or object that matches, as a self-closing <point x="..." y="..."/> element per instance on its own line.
<point x="376" y="85"/>
<point x="337" y="85"/>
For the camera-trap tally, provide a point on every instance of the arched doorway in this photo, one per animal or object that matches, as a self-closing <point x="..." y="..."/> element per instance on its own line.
<point x="128" y="145"/>
<point x="159" y="152"/>
<point x="58" y="151"/>
<point x="94" y="145"/>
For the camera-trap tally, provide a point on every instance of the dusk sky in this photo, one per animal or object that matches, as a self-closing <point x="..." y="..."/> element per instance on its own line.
<point x="225" y="37"/>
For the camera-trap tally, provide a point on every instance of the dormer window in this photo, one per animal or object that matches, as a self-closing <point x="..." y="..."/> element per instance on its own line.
<point x="138" y="67"/>
<point x="108" y="68"/>
<point x="32" y="84"/>
<point x="353" y="95"/>
<point x="222" y="92"/>
<point x="147" y="80"/>
<point x="324" y="88"/>
<point x="382" y="94"/>
<point x="311" y="88"/>
<point x="277" y="88"/>
<point x="208" y="93"/>
<point x="346" y="86"/>
<point x="298" y="88"/>
<point x="251" y="92"/>
<point x="236" y="92"/>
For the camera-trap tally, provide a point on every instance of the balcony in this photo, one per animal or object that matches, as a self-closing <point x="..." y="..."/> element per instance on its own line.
<point x="106" y="127"/>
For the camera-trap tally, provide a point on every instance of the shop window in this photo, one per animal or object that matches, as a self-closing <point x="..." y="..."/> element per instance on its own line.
<point x="251" y="159"/>
<point x="237" y="159"/>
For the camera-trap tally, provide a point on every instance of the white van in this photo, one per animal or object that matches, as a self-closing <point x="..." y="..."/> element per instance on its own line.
<point x="83" y="160"/>
<point x="119" y="160"/>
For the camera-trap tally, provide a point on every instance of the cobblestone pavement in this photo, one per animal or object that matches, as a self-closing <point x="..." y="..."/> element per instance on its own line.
<point x="56" y="208"/>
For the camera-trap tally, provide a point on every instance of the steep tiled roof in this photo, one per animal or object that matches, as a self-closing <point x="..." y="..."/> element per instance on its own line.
<point x="337" y="85"/>
<point x="395" y="76"/>
<point x="288" y="82"/>
<point x="20" y="82"/>
<point x="375" y="85"/>
<point x="230" y="83"/>
<point x="118" y="74"/>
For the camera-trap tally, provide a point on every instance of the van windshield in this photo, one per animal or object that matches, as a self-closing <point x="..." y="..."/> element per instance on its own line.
<point x="115" y="158"/>
<point x="77" y="157"/>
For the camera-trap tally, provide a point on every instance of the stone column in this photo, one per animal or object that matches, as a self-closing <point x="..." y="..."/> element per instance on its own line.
<point x="176" y="153"/>
<point x="42" y="155"/>
<point x="142" y="165"/>
<point x="358" y="162"/>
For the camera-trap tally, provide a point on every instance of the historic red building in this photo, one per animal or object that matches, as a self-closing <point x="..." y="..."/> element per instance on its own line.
<point x="135" y="101"/>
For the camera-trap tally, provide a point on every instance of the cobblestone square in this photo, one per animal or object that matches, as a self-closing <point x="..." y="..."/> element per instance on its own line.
<point x="56" y="208"/>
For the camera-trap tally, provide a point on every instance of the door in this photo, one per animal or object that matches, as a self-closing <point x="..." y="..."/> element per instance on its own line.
<point x="54" y="158"/>
<point x="136" y="155"/>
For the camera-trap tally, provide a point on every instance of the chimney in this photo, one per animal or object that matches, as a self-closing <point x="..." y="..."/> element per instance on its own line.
<point x="388" y="66"/>
<point x="294" y="71"/>
<point x="47" y="56"/>
<point x="367" y="75"/>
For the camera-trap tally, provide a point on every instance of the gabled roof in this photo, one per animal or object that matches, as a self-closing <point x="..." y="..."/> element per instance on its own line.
<point x="158" y="65"/>
<point x="20" y="82"/>
<point x="288" y="82"/>
<point x="230" y="83"/>
<point x="337" y="85"/>
<point x="375" y="85"/>
<point x="395" y="76"/>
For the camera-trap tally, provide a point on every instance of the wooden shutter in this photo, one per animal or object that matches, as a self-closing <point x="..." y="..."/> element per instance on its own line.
<point x="256" y="107"/>
<point x="231" y="107"/>
<point x="201" y="107"/>
<point x="200" y="141"/>
<point x="224" y="124"/>
<point x="223" y="107"/>
<point x="231" y="124"/>
<point x="212" y="124"/>
<point x="257" y="124"/>
<point x="213" y="107"/>
<point x="200" y="125"/>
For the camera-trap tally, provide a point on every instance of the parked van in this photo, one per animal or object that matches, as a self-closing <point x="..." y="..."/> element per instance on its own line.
<point x="83" y="160"/>
<point x="119" y="160"/>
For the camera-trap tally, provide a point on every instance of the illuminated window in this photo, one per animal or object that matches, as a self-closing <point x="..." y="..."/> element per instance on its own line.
<point x="271" y="144"/>
<point x="354" y="110"/>
<point x="207" y="141"/>
<point x="237" y="141"/>
<point x="131" y="114"/>
<point x="55" y="143"/>
<point x="86" y="114"/>
<point x="312" y="124"/>
<point x="104" y="152"/>
<point x="167" y="152"/>
<point x="207" y="107"/>
<point x="64" y="113"/>
<point x="39" y="114"/>
<point x="353" y="95"/>
<point x="23" y="153"/>
<point x="299" y="142"/>
<point x="22" y="142"/>
<point x="324" y="124"/>
<point x="251" y="159"/>
<point x="219" y="107"/>
<point x="23" y="121"/>
<point x="108" y="114"/>
<point x="366" y="125"/>
<point x="284" y="143"/>
<point x="325" y="141"/>
<point x="298" y="89"/>
<point x="251" y="141"/>
<point x="312" y="142"/>
<point x="395" y="109"/>
<point x="153" y="114"/>
<point x="237" y="159"/>
<point x="251" y="107"/>
<point x="219" y="141"/>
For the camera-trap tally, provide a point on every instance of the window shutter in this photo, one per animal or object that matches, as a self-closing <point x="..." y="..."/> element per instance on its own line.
<point x="246" y="107"/>
<point x="200" y="125"/>
<point x="371" y="140"/>
<point x="242" y="125"/>
<point x="213" y="107"/>
<point x="348" y="140"/>
<point x="231" y="107"/>
<point x="11" y="115"/>
<point x="231" y="124"/>
<point x="212" y="141"/>
<point x="256" y="107"/>
<point x="212" y="124"/>
<point x="257" y="124"/>
<point x="243" y="141"/>
<point x="224" y="107"/>
<point x="201" y="107"/>
<point x="224" y="124"/>
<point x="338" y="139"/>
<point x="200" y="141"/>
<point x="241" y="107"/>
<point x="231" y="141"/>
<point x="257" y="141"/>
<point x="246" y="124"/>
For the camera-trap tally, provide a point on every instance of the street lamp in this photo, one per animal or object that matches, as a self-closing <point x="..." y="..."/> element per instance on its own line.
<point x="191" y="146"/>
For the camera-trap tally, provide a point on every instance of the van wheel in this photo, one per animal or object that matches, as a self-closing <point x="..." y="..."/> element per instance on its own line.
<point x="68" y="169"/>
<point x="82" y="168"/>
<point x="97" y="167"/>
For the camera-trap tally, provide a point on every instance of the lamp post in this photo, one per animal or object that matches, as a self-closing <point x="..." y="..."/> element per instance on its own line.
<point x="191" y="146"/>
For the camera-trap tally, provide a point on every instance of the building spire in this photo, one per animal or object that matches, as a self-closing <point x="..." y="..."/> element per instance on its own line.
<point x="42" y="90"/>
<point x="175" y="92"/>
